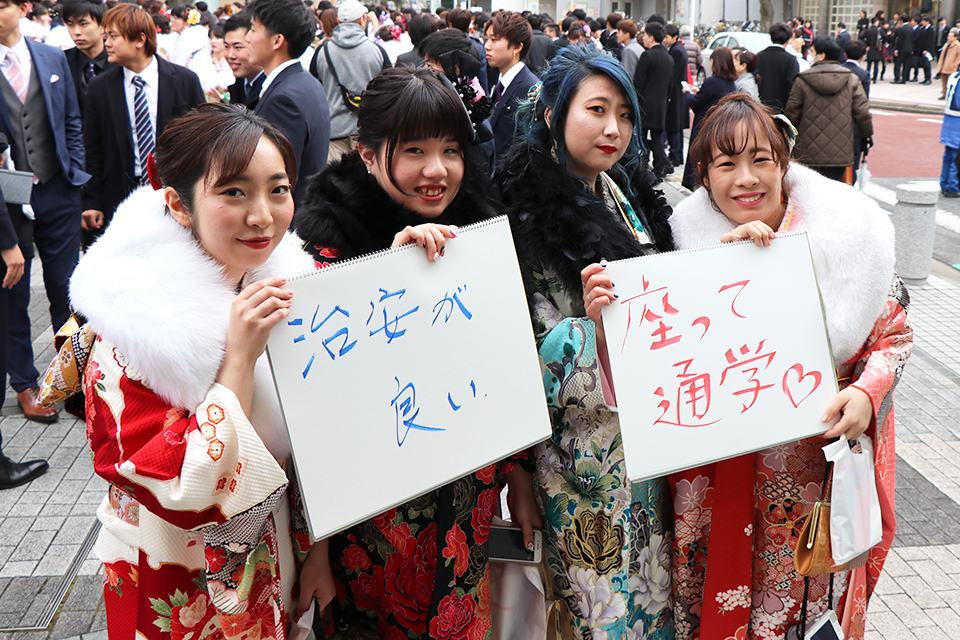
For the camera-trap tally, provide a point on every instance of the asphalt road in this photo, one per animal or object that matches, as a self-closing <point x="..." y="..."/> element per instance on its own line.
<point x="906" y="148"/>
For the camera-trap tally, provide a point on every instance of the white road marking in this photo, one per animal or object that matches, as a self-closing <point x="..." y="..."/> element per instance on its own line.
<point x="877" y="112"/>
<point x="940" y="121"/>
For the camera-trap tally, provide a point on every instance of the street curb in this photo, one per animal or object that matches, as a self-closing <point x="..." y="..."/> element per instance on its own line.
<point x="907" y="107"/>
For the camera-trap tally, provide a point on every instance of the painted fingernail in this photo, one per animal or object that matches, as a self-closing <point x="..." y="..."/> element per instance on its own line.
<point x="529" y="546"/>
<point x="615" y="296"/>
<point x="436" y="256"/>
<point x="441" y="251"/>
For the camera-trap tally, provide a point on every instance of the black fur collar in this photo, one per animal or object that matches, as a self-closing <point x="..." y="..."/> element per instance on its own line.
<point x="345" y="209"/>
<point x="565" y="227"/>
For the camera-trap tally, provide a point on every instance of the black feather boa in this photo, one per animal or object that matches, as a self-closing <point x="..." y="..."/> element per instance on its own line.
<point x="565" y="227"/>
<point x="344" y="208"/>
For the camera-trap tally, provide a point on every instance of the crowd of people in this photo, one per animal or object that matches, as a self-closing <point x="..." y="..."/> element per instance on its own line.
<point x="191" y="194"/>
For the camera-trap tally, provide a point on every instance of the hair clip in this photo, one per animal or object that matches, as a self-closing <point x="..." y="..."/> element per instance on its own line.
<point x="786" y="129"/>
<point x="152" y="173"/>
<point x="533" y="95"/>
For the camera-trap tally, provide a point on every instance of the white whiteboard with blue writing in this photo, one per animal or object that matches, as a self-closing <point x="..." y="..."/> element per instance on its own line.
<point x="397" y="375"/>
<point x="716" y="352"/>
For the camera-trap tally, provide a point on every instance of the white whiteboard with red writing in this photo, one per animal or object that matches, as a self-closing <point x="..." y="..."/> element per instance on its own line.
<point x="716" y="352"/>
<point x="397" y="375"/>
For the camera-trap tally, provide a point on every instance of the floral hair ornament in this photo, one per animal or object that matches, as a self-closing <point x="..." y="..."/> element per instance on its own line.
<point x="152" y="173"/>
<point x="193" y="17"/>
<point x="395" y="31"/>
<point x="786" y="129"/>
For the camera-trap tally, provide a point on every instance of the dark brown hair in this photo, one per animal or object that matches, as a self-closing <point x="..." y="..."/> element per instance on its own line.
<point x="515" y="28"/>
<point x="214" y="142"/>
<point x="718" y="132"/>
<point x="130" y="21"/>
<point x="721" y="61"/>
<point x="748" y="58"/>
<point x="329" y="20"/>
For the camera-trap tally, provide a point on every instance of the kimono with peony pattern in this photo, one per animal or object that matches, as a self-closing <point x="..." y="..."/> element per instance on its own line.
<point x="738" y="521"/>
<point x="197" y="527"/>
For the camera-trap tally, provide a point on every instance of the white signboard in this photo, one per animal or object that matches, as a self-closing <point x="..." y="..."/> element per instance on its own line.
<point x="397" y="375"/>
<point x="717" y="352"/>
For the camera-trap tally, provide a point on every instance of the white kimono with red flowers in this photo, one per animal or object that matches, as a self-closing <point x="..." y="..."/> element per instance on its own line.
<point x="198" y="538"/>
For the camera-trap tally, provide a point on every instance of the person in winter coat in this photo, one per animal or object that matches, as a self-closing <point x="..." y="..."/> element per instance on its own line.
<point x="753" y="191"/>
<point x="722" y="82"/>
<point x="824" y="103"/>
<point x="202" y="535"/>
<point x="745" y="62"/>
<point x="411" y="179"/>
<point x="653" y="80"/>
<point x="678" y="114"/>
<point x="694" y="53"/>
<point x="950" y="139"/>
<point x="577" y="191"/>
<point x="873" y="37"/>
<point x="949" y="60"/>
<point x="355" y="59"/>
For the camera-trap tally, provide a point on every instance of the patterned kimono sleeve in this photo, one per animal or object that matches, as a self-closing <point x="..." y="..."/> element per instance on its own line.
<point x="192" y="470"/>
<point x="885" y="352"/>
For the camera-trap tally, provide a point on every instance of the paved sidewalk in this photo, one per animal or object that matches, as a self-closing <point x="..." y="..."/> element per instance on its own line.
<point x="45" y="526"/>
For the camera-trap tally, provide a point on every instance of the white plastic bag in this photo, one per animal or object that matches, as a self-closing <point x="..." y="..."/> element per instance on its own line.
<point x="863" y="175"/>
<point x="855" y="524"/>
<point x="303" y="629"/>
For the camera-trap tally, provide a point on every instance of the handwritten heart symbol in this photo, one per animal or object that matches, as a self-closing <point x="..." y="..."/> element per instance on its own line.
<point x="798" y="368"/>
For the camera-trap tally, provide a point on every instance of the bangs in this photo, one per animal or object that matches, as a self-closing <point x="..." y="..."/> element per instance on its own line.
<point x="429" y="113"/>
<point x="230" y="155"/>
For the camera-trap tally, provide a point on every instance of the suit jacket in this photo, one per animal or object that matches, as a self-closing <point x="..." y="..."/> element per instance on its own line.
<point x="77" y="60"/>
<point x="903" y="40"/>
<point x="296" y="104"/>
<point x="504" y="117"/>
<point x="874" y="41"/>
<point x="777" y="68"/>
<point x="653" y="79"/>
<point x="842" y="39"/>
<point x="238" y="95"/>
<point x="60" y="98"/>
<point x="865" y="83"/>
<point x="678" y="114"/>
<point x="108" y="136"/>
<point x="542" y="50"/>
<point x="927" y="39"/>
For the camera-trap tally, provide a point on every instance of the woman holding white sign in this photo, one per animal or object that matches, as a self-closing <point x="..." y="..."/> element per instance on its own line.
<point x="419" y="569"/>
<point x="737" y="521"/>
<point x="578" y="192"/>
<point x="201" y="534"/>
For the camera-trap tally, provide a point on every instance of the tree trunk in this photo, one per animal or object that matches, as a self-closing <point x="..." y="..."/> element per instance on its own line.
<point x="766" y="14"/>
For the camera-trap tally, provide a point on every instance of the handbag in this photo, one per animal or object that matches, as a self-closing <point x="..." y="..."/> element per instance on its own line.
<point x="352" y="100"/>
<point x="814" y="554"/>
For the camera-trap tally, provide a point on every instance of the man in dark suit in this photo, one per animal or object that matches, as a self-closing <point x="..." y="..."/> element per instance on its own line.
<point x="16" y="249"/>
<point x="678" y="115"/>
<point x="41" y="120"/>
<point x="249" y="77"/>
<point x="542" y="48"/>
<point x="507" y="45"/>
<point x="778" y="68"/>
<point x="653" y="79"/>
<point x="117" y="139"/>
<point x="873" y="38"/>
<point x="292" y="99"/>
<point x="925" y="44"/>
<point x="856" y="51"/>
<point x="88" y="59"/>
<point x="843" y="37"/>
<point x="903" y="51"/>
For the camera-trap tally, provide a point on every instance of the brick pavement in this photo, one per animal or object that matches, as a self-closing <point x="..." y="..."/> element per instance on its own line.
<point x="44" y="524"/>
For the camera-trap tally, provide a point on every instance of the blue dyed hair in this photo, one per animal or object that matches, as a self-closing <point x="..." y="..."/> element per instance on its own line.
<point x="569" y="69"/>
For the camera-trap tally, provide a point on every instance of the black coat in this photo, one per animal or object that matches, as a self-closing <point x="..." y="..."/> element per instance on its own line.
<point x="564" y="226"/>
<point x="504" y="117"/>
<point x="108" y="136"/>
<point x="542" y="50"/>
<point x="927" y="40"/>
<point x="678" y="114"/>
<point x="296" y="104"/>
<point x="874" y="40"/>
<point x="653" y="79"/>
<point x="778" y="68"/>
<point x="76" y="61"/>
<point x="842" y="39"/>
<point x="345" y="213"/>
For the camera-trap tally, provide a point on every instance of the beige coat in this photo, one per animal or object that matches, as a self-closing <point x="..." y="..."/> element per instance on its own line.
<point x="949" y="59"/>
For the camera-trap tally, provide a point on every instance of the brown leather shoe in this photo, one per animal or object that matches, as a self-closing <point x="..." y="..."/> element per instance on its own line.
<point x="31" y="410"/>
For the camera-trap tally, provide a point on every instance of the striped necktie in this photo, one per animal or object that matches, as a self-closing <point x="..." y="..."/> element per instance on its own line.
<point x="144" y="128"/>
<point x="15" y="75"/>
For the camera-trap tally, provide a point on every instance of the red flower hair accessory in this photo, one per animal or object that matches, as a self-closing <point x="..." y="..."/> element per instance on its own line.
<point x="152" y="173"/>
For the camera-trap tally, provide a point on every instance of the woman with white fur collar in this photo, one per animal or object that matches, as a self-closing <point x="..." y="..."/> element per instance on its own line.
<point x="752" y="190"/>
<point x="199" y="538"/>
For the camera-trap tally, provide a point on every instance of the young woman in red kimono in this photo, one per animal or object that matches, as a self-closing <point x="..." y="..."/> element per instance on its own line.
<point x="202" y="536"/>
<point x="737" y="521"/>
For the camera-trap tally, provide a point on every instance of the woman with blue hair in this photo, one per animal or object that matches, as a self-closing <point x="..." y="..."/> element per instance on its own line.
<point x="579" y="192"/>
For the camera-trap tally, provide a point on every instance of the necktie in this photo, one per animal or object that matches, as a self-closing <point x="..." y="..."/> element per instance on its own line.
<point x="497" y="92"/>
<point x="249" y="91"/>
<point x="89" y="71"/>
<point x="144" y="128"/>
<point x="15" y="75"/>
